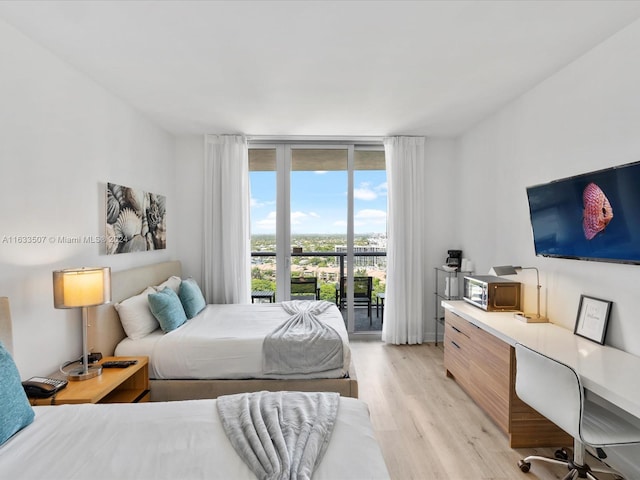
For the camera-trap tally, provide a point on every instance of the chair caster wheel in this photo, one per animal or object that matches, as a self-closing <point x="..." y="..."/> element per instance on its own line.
<point x="561" y="454"/>
<point x="524" y="466"/>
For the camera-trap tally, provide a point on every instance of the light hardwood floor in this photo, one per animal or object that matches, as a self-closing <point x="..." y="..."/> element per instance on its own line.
<point x="427" y="427"/>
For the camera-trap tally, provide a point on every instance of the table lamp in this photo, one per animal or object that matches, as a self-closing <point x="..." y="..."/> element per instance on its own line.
<point x="525" y="317"/>
<point x="82" y="287"/>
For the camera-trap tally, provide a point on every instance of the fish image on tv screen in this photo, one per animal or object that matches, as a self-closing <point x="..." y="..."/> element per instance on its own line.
<point x="597" y="211"/>
<point x="593" y="216"/>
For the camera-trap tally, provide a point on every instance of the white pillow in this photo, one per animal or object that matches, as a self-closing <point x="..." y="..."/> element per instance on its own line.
<point x="135" y="315"/>
<point x="172" y="282"/>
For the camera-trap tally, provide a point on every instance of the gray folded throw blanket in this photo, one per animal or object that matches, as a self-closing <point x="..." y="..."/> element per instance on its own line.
<point x="302" y="343"/>
<point x="279" y="435"/>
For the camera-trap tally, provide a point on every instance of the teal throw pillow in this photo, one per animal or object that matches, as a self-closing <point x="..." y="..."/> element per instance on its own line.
<point x="15" y="409"/>
<point x="166" y="307"/>
<point x="191" y="297"/>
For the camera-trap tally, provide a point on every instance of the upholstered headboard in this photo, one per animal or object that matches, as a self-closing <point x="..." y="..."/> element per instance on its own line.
<point x="6" y="327"/>
<point x="105" y="330"/>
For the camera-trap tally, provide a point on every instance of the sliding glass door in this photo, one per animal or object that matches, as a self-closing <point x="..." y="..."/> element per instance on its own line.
<point x="310" y="224"/>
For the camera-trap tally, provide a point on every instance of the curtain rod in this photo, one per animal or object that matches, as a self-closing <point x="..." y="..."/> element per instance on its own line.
<point x="314" y="138"/>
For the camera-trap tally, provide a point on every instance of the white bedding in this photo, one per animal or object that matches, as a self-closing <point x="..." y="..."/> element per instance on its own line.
<point x="166" y="440"/>
<point x="224" y="342"/>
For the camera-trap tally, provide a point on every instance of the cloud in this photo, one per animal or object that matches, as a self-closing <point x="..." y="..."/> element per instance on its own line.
<point x="298" y="217"/>
<point x="364" y="192"/>
<point x="381" y="189"/>
<point x="367" y="193"/>
<point x="320" y="172"/>
<point x="371" y="214"/>
<point x="267" y="223"/>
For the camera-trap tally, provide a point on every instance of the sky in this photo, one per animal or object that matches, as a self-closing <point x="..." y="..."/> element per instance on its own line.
<point x="319" y="202"/>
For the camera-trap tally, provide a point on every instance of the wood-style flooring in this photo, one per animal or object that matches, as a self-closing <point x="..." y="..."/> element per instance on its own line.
<point x="427" y="427"/>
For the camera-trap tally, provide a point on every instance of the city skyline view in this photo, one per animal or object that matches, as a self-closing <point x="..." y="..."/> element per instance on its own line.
<point x="319" y="202"/>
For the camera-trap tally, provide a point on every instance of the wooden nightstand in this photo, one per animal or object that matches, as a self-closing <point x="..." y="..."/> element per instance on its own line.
<point x="115" y="385"/>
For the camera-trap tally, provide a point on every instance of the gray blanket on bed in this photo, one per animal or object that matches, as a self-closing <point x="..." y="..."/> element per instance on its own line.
<point x="303" y="343"/>
<point x="279" y="435"/>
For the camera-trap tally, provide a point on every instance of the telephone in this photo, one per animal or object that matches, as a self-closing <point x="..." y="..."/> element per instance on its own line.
<point x="41" y="387"/>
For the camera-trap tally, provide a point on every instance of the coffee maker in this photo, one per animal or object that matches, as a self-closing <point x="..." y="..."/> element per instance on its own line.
<point x="454" y="259"/>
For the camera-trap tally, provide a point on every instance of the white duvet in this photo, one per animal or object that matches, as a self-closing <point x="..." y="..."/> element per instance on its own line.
<point x="224" y="342"/>
<point x="166" y="440"/>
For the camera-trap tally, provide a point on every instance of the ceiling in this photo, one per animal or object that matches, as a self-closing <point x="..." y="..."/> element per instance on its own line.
<point x="319" y="68"/>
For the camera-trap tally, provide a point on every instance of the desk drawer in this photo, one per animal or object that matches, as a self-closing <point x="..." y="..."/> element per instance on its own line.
<point x="457" y="350"/>
<point x="459" y="324"/>
<point x="456" y="362"/>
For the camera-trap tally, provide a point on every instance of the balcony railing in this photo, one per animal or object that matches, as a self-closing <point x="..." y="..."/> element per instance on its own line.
<point x="339" y="255"/>
<point x="331" y="274"/>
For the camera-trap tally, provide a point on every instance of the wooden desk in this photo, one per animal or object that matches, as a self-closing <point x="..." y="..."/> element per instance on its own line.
<point x="606" y="371"/>
<point x="609" y="373"/>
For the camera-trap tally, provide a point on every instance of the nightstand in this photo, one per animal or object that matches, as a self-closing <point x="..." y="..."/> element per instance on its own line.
<point x="115" y="385"/>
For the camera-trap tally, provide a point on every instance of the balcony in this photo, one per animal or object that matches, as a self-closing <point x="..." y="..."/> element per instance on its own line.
<point x="328" y="267"/>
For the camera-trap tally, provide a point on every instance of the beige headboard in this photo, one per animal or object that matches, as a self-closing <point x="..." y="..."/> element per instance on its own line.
<point x="6" y="328"/>
<point x="105" y="330"/>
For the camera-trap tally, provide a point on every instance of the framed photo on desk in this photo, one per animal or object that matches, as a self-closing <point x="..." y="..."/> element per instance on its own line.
<point x="593" y="317"/>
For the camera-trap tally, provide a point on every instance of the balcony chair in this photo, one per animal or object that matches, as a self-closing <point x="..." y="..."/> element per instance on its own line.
<point x="305" y="288"/>
<point x="555" y="391"/>
<point x="362" y="291"/>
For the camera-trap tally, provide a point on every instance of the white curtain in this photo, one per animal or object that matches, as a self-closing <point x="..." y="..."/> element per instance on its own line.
<point x="227" y="244"/>
<point x="404" y="309"/>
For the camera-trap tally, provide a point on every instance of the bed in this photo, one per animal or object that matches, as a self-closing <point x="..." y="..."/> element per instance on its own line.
<point x="166" y="440"/>
<point x="183" y="439"/>
<point x="106" y="334"/>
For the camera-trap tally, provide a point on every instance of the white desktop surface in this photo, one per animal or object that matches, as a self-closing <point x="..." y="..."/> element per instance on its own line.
<point x="606" y="371"/>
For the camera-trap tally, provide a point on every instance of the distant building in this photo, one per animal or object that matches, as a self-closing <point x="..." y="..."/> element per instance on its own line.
<point x="366" y="261"/>
<point x="378" y="240"/>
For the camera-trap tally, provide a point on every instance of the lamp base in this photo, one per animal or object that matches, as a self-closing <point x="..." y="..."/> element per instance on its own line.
<point x="79" y="374"/>
<point x="531" y="318"/>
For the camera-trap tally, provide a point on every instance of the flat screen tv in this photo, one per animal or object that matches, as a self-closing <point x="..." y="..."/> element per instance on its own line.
<point x="593" y="216"/>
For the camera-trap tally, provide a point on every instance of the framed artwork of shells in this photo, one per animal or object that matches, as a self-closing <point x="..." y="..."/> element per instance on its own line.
<point x="136" y="220"/>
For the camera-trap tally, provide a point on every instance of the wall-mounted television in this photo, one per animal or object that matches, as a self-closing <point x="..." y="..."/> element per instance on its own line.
<point x="593" y="216"/>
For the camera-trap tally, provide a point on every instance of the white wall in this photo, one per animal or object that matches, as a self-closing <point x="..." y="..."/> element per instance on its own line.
<point x="190" y="192"/>
<point x="62" y="138"/>
<point x="584" y="118"/>
<point x="442" y="192"/>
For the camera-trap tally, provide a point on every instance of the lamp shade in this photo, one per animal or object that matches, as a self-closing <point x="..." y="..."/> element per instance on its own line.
<point x="505" y="270"/>
<point x="81" y="287"/>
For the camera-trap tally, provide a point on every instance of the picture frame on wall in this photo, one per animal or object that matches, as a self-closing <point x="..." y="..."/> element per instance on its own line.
<point x="136" y="221"/>
<point x="593" y="318"/>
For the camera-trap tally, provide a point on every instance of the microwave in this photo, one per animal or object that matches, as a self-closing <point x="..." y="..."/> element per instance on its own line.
<point x="493" y="294"/>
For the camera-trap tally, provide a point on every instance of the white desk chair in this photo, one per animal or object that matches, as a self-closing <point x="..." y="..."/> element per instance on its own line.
<point x="555" y="391"/>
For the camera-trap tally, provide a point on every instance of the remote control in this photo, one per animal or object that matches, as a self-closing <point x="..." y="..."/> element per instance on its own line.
<point x="118" y="363"/>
